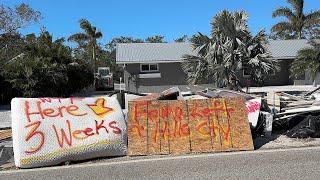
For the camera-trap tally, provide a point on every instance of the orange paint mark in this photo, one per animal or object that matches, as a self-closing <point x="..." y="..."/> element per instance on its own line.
<point x="99" y="108"/>
<point x="203" y="129"/>
<point x="77" y="135"/>
<point x="63" y="135"/>
<point x="28" y="113"/>
<point x="34" y="126"/>
<point x="74" y="110"/>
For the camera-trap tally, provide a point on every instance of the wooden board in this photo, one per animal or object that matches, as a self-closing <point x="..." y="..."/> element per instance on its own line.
<point x="273" y="100"/>
<point x="185" y="126"/>
<point x="164" y="128"/>
<point x="137" y="128"/>
<point x="5" y="134"/>
<point x="240" y="129"/>
<point x="179" y="128"/>
<point x="153" y="128"/>
<point x="200" y="127"/>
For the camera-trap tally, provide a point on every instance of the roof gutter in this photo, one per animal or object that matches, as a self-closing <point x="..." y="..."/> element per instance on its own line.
<point x="283" y="58"/>
<point x="142" y="62"/>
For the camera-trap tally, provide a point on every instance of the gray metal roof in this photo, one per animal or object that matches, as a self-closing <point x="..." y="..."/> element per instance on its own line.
<point x="286" y="49"/>
<point x="152" y="52"/>
<point x="172" y="52"/>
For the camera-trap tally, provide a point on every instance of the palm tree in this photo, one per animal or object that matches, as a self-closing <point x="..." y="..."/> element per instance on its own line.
<point x="297" y="23"/>
<point x="229" y="48"/>
<point x="307" y="59"/>
<point x="88" y="38"/>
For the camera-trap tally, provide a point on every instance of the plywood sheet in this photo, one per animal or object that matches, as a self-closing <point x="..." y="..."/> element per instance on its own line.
<point x="186" y="126"/>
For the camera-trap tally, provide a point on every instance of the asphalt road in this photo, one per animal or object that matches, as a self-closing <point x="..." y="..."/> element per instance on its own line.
<point x="301" y="163"/>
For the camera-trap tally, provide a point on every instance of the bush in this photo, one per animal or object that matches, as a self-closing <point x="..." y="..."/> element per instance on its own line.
<point x="46" y="68"/>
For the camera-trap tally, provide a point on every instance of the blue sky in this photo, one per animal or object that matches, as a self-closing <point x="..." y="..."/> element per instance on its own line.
<point x="143" y="18"/>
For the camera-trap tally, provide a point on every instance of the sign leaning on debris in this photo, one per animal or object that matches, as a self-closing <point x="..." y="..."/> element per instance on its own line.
<point x="185" y="126"/>
<point x="48" y="131"/>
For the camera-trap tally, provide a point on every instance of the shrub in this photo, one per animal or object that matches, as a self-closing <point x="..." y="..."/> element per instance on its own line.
<point x="46" y="68"/>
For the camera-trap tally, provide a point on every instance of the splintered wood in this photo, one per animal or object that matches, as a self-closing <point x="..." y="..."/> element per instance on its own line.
<point x="186" y="126"/>
<point x="5" y="134"/>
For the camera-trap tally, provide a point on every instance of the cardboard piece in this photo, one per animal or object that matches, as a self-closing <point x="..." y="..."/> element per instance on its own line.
<point x="48" y="131"/>
<point x="186" y="126"/>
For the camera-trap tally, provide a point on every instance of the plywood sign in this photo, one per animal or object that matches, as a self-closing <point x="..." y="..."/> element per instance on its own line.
<point x="48" y="131"/>
<point x="185" y="126"/>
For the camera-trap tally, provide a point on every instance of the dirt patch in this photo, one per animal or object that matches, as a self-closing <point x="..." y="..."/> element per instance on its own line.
<point x="282" y="141"/>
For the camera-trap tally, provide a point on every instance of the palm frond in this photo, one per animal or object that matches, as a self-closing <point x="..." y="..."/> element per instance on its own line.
<point x="98" y="35"/>
<point x="78" y="37"/>
<point x="298" y="6"/>
<point x="200" y="43"/>
<point x="307" y="59"/>
<point x="86" y="26"/>
<point x="283" y="11"/>
<point x="282" y="27"/>
<point x="260" y="37"/>
<point x="312" y="19"/>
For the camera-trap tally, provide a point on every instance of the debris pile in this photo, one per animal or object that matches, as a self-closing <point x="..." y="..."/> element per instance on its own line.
<point x="308" y="127"/>
<point x="294" y="114"/>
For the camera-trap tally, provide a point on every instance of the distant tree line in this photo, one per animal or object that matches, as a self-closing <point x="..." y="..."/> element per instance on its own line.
<point x="36" y="65"/>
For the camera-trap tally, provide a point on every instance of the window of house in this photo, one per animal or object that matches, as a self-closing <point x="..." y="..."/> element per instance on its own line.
<point x="149" y="67"/>
<point x="272" y="72"/>
<point x="245" y="72"/>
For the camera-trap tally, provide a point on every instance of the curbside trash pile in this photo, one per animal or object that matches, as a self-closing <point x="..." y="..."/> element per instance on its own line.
<point x="50" y="131"/>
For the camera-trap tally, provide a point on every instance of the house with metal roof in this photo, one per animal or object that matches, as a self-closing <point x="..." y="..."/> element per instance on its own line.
<point x="152" y="67"/>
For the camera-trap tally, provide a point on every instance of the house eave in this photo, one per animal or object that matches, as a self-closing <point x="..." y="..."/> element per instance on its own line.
<point x="283" y="57"/>
<point x="142" y="62"/>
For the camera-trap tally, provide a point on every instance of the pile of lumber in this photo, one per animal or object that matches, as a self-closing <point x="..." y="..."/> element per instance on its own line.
<point x="298" y="116"/>
<point x="286" y="106"/>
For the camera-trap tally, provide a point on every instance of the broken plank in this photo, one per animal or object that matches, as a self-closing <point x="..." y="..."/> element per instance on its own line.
<point x="289" y="116"/>
<point x="4" y="134"/>
<point x="299" y="110"/>
<point x="298" y="103"/>
<point x="297" y="98"/>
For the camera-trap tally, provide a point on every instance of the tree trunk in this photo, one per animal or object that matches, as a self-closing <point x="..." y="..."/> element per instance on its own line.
<point x="300" y="33"/>
<point x="94" y="58"/>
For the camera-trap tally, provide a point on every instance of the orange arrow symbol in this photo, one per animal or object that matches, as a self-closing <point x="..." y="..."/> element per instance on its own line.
<point x="99" y="108"/>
